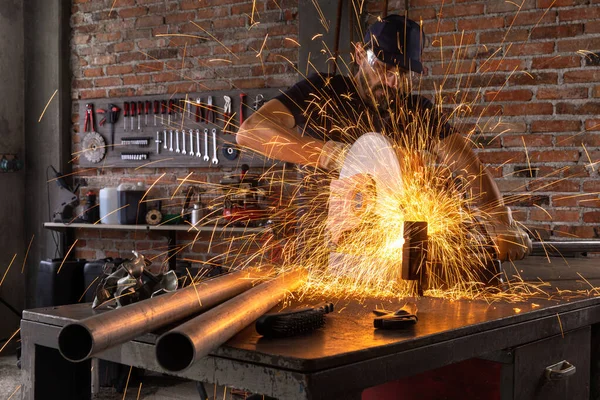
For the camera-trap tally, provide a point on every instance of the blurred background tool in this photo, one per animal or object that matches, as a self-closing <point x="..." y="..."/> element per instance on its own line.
<point x="292" y="323"/>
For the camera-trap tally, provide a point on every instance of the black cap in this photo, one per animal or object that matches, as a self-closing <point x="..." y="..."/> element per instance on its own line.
<point x="397" y="40"/>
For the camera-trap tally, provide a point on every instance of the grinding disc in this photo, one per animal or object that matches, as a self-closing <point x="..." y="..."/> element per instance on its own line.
<point x="230" y="152"/>
<point x="374" y="154"/>
<point x="94" y="147"/>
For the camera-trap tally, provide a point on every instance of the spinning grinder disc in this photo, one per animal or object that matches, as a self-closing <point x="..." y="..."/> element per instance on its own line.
<point x="369" y="180"/>
<point x="373" y="154"/>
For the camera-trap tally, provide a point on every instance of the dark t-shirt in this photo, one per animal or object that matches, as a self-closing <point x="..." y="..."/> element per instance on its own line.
<point x="328" y="107"/>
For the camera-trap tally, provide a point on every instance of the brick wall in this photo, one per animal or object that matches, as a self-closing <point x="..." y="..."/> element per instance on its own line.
<point x="118" y="50"/>
<point x="534" y="66"/>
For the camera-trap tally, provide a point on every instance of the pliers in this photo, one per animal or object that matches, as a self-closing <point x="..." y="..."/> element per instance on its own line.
<point x="89" y="118"/>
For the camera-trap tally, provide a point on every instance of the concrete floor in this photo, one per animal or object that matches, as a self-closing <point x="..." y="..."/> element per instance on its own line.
<point x="153" y="386"/>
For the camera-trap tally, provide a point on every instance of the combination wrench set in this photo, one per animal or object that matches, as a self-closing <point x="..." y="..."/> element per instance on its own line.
<point x="192" y="130"/>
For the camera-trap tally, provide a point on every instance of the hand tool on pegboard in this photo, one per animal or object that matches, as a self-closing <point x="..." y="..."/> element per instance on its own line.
<point x="140" y="111"/>
<point x="155" y="110"/>
<point x="258" y="101"/>
<point x="192" y="142"/>
<point x="242" y="104"/>
<point x="125" y="115"/>
<point x="163" y="111"/>
<point x="183" y="140"/>
<point x="215" y="159"/>
<point x="147" y="111"/>
<point x="113" y="116"/>
<point x="182" y="106"/>
<point x="170" y="111"/>
<point x="198" y="152"/>
<point x="132" y="106"/>
<point x="103" y="113"/>
<point x="206" y="157"/>
<point x="226" y="113"/>
<point x="210" y="112"/>
<point x="93" y="143"/>
<point x="158" y="142"/>
<point x="199" y="116"/>
<point x="165" y="140"/>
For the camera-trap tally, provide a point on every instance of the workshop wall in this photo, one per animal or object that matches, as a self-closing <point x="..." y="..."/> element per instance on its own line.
<point x="534" y="65"/>
<point x="158" y="47"/>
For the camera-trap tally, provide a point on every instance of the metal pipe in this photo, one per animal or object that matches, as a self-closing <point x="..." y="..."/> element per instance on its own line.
<point x="555" y="248"/>
<point x="80" y="340"/>
<point x="177" y="349"/>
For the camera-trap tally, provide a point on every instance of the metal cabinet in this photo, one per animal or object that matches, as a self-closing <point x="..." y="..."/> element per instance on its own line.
<point x="526" y="372"/>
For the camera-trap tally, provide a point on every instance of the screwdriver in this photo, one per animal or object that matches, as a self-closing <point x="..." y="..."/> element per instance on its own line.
<point x="125" y="115"/>
<point x="155" y="110"/>
<point x="146" y="111"/>
<point x="140" y="110"/>
<point x="170" y="111"/>
<point x="132" y="113"/>
<point x="163" y="110"/>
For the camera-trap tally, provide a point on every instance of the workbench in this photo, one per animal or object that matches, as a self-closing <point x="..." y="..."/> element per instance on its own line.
<point x="348" y="355"/>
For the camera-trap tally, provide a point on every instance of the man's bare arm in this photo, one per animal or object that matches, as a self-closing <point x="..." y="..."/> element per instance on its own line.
<point x="271" y="131"/>
<point x="456" y="152"/>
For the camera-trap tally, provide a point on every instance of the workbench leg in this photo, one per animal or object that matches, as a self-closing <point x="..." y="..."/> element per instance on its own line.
<point x="47" y="375"/>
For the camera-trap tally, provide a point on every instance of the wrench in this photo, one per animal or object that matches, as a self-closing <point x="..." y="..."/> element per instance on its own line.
<point x="177" y="141"/>
<point x="170" y="140"/>
<point x="165" y="139"/>
<point x="183" y="143"/>
<point x="206" y="157"/>
<point x="215" y="159"/>
<point x="192" y="142"/>
<point x="198" y="154"/>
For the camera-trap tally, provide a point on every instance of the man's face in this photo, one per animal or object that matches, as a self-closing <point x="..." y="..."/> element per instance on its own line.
<point x="381" y="83"/>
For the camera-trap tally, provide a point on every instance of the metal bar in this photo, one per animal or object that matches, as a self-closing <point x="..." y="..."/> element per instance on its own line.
<point x="80" y="340"/>
<point x="177" y="349"/>
<point x="556" y="248"/>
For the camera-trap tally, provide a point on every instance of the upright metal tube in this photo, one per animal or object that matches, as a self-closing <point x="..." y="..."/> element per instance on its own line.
<point x="556" y="248"/>
<point x="177" y="349"/>
<point x="81" y="340"/>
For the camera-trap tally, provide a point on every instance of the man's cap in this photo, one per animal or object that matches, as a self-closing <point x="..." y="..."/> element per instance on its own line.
<point x="397" y="40"/>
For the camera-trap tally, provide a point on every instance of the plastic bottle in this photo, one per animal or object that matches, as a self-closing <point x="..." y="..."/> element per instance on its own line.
<point x="109" y="202"/>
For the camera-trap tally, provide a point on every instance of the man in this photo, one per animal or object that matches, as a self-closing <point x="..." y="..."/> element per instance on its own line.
<point x="314" y="122"/>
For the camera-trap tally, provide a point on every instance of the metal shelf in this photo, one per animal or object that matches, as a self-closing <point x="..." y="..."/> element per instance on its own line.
<point x="60" y="226"/>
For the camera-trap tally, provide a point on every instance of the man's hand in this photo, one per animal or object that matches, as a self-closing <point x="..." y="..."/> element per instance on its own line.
<point x="332" y="156"/>
<point x="511" y="241"/>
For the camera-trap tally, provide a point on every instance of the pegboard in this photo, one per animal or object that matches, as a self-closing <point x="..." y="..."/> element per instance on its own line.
<point x="138" y="147"/>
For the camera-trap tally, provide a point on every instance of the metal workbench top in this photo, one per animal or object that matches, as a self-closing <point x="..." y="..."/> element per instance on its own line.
<point x="349" y="337"/>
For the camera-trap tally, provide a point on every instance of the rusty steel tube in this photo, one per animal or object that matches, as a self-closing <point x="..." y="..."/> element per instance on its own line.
<point x="177" y="349"/>
<point x="559" y="248"/>
<point x="81" y="340"/>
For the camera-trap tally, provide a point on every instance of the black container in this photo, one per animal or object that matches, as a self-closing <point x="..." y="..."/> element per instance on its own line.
<point x="131" y="211"/>
<point x="57" y="285"/>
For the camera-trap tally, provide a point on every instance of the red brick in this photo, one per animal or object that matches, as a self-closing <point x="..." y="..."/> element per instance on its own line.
<point x="488" y="110"/>
<point x="92" y="94"/>
<point x="509" y="6"/>
<point x="81" y="39"/>
<point x="119" y="69"/>
<point x="591" y="217"/>
<point x="502" y="157"/>
<point x="93" y="72"/>
<point x="532" y="18"/>
<point x="528" y="109"/>
<point x="578" y="140"/>
<point x="534" y="78"/>
<point x="537" y="214"/>
<point x="559" y="3"/>
<point x="149" y="21"/>
<point x="503" y="64"/>
<point x="108" y="37"/>
<point x="558" y="31"/>
<point x="478" y="24"/>
<point x="579" y="200"/>
<point x="554" y="156"/>
<point x="452" y="68"/>
<point x="592" y="27"/>
<point x="103" y="60"/>
<point x="574" y="45"/>
<point x="103" y="82"/>
<point x="509" y="95"/>
<point x="553" y="185"/>
<point x="584" y="13"/>
<point x="555" y="126"/>
<point x="587" y="108"/>
<point x="591" y="75"/>
<point x="121" y="92"/>
<point x="596" y="91"/>
<point x="580" y="232"/>
<point x="530" y="141"/>
<point x="455" y="39"/>
<point x="180" y="17"/>
<point x="133" y="12"/>
<point x="137" y="79"/>
<point x="591" y="187"/>
<point x="528" y="49"/>
<point x="555" y="93"/>
<point x="422" y="13"/>
<point x="498" y="36"/>
<point x="556" y="62"/>
<point x="592" y="125"/>
<point x="121" y="47"/>
<point x="434" y="27"/>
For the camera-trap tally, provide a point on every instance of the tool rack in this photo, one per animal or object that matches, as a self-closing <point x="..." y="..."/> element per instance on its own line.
<point x="137" y="147"/>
